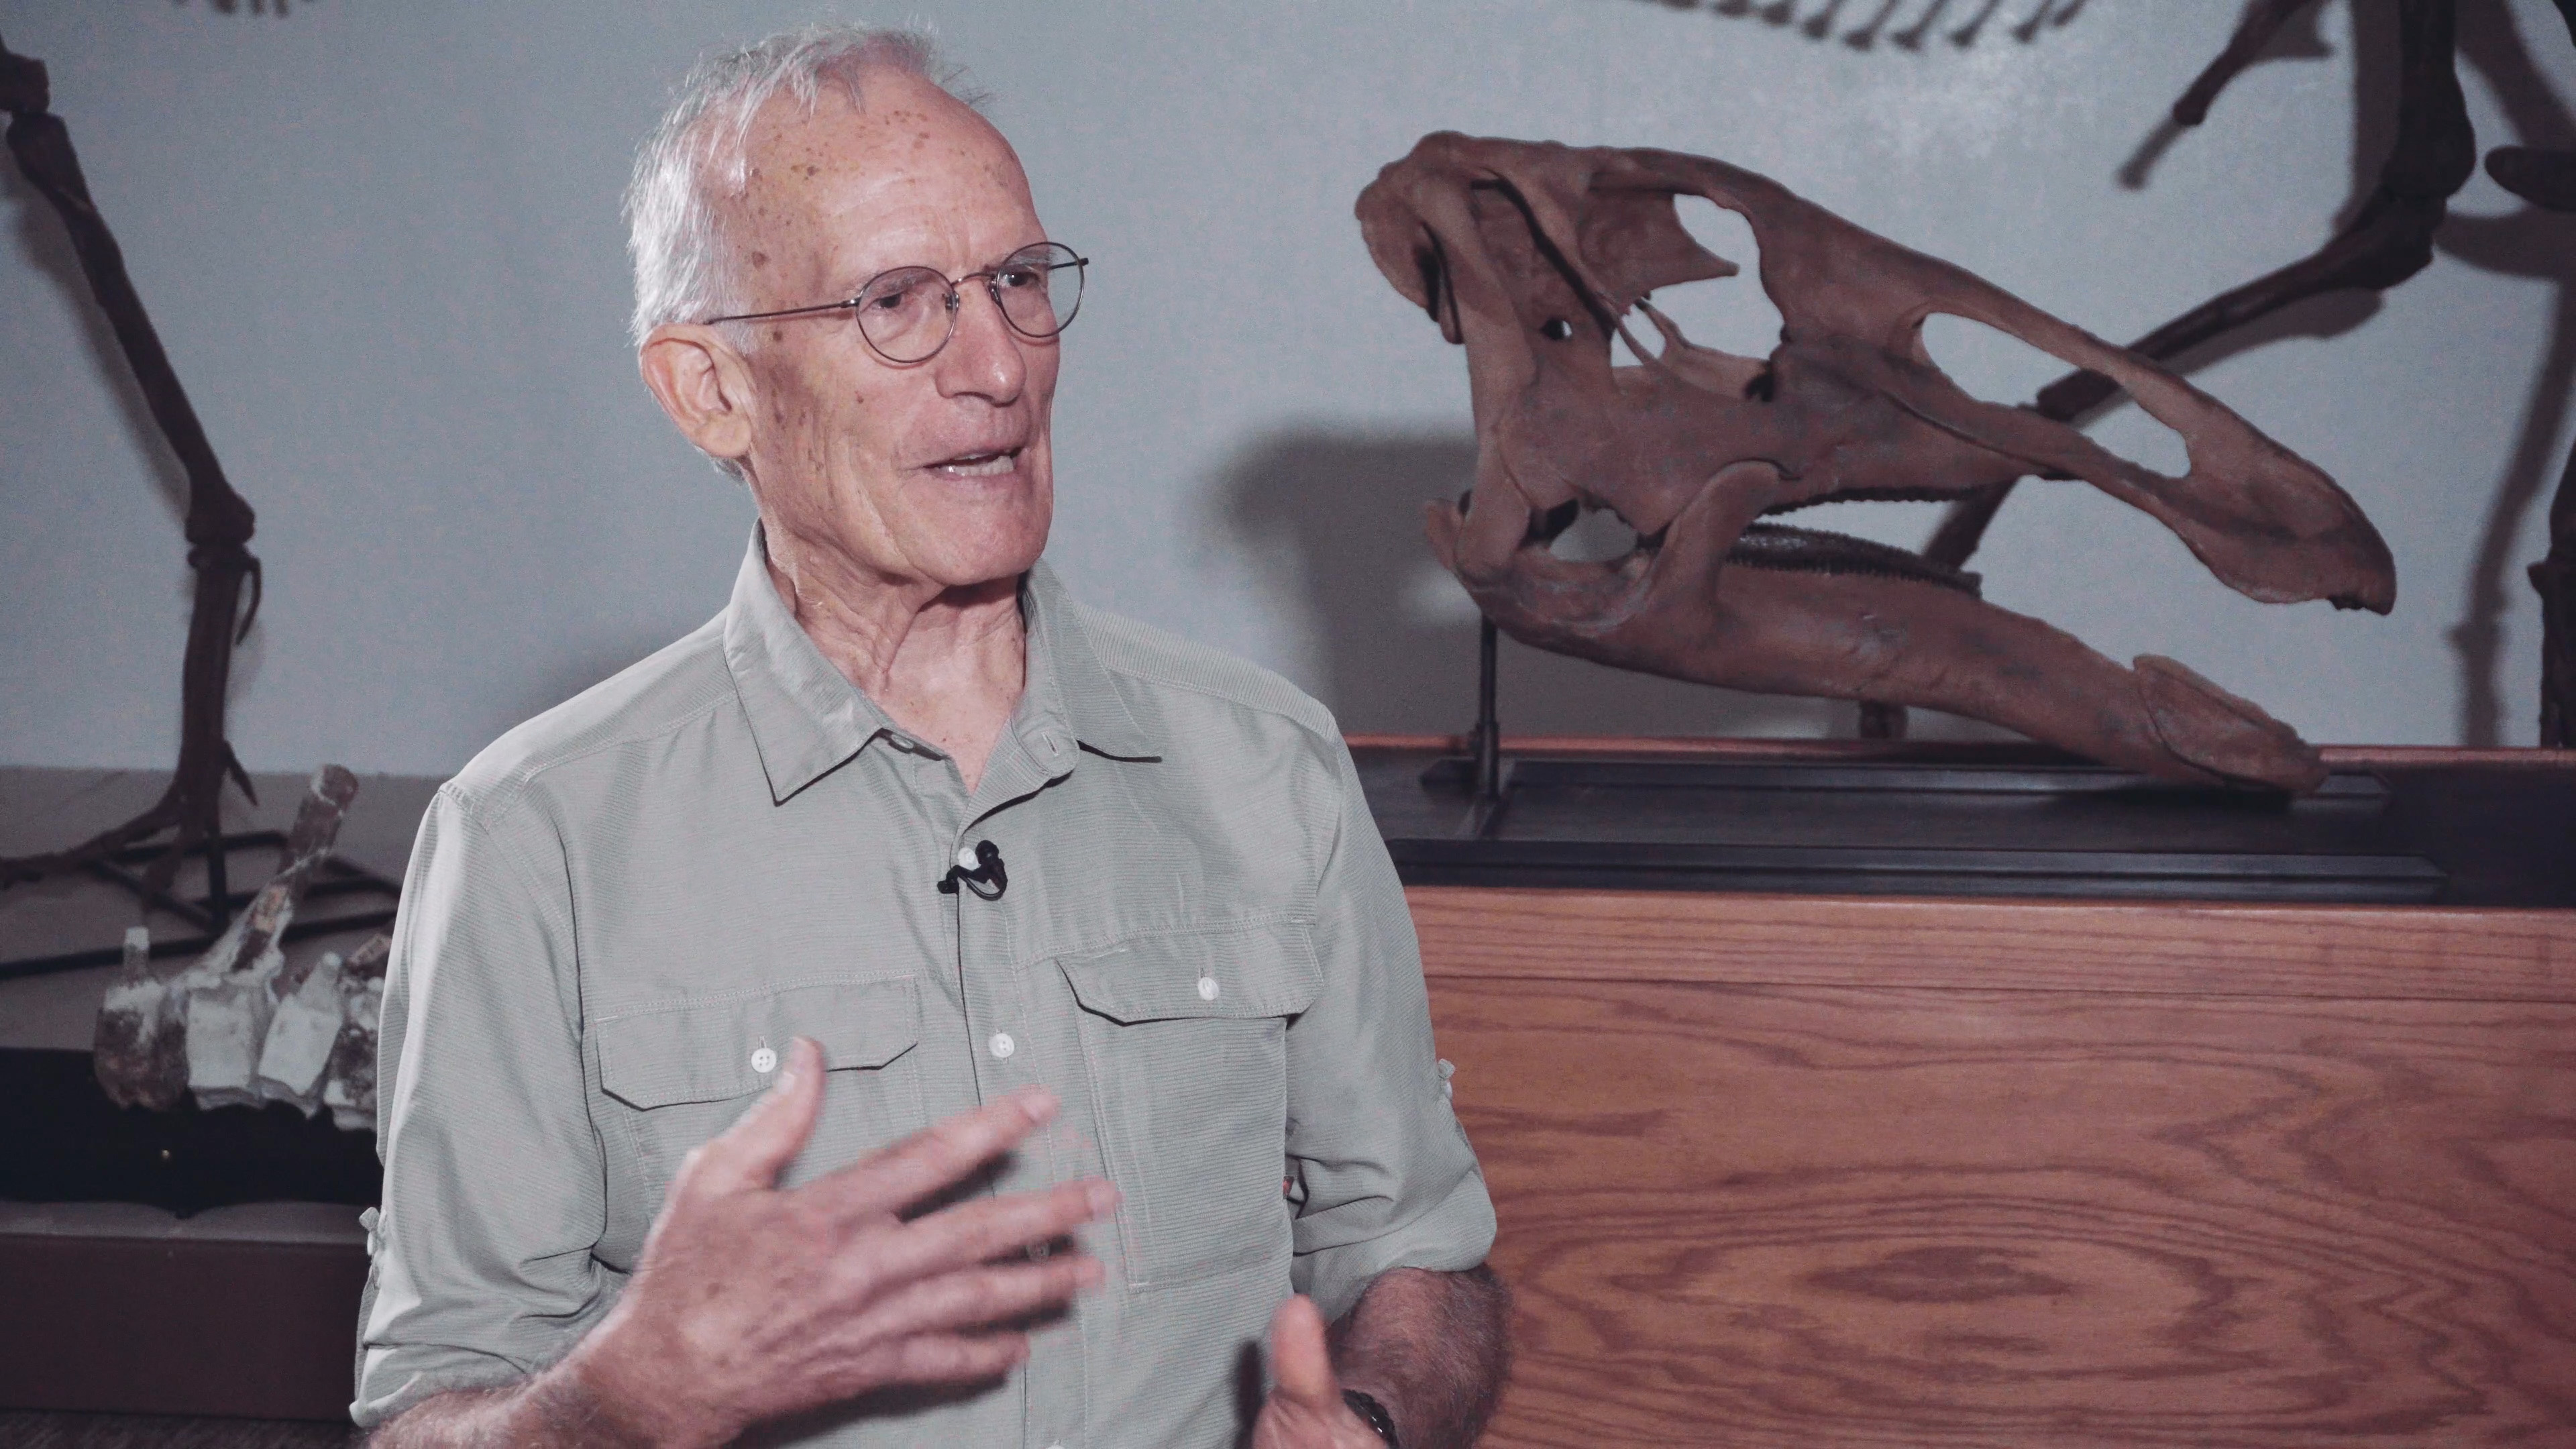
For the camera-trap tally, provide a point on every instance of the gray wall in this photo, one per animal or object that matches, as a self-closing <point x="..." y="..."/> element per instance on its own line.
<point x="380" y="240"/>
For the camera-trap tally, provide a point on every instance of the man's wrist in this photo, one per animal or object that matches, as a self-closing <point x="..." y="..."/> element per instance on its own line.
<point x="1373" y="1414"/>
<point x="599" y="1395"/>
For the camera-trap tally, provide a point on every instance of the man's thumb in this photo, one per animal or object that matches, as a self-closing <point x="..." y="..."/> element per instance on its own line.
<point x="1301" y="1367"/>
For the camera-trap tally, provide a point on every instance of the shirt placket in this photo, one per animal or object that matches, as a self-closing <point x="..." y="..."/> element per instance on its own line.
<point x="1009" y="1050"/>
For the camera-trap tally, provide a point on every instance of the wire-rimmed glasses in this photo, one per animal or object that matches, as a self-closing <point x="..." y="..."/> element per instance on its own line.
<point x="909" y="313"/>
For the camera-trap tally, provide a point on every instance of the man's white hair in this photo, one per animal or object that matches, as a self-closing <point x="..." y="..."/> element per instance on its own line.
<point x="697" y="158"/>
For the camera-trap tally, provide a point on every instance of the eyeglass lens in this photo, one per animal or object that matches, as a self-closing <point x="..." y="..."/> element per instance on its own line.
<point x="906" y="314"/>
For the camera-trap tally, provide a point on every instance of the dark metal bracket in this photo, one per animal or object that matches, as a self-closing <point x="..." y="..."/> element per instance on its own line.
<point x="209" y="913"/>
<point x="1488" y="773"/>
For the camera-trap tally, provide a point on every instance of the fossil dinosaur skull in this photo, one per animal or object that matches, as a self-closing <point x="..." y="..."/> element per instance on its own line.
<point x="1535" y="255"/>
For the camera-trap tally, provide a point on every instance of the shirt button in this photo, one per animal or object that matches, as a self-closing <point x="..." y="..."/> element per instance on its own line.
<point x="965" y="858"/>
<point x="764" y="1061"/>
<point x="1208" y="988"/>
<point x="1002" y="1044"/>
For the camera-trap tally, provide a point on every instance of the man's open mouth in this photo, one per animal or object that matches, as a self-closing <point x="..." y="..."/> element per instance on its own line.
<point x="990" y="464"/>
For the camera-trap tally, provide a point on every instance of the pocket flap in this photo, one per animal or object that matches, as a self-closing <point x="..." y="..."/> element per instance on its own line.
<point x="701" y="1051"/>
<point x="1239" y="971"/>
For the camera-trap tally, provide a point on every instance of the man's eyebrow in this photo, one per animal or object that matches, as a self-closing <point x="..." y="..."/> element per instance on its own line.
<point x="852" y="288"/>
<point x="1013" y="252"/>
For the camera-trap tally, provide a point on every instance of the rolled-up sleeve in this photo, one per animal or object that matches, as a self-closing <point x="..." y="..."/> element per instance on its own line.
<point x="482" y="1266"/>
<point x="1389" y="1178"/>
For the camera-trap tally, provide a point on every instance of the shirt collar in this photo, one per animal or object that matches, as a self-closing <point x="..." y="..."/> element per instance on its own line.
<point x="1066" y="678"/>
<point x="807" y="719"/>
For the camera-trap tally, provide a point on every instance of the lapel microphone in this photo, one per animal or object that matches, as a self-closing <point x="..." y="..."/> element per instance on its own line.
<point x="987" y="880"/>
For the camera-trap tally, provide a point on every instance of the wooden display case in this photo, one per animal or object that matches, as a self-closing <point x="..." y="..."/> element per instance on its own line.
<point x="1806" y="1167"/>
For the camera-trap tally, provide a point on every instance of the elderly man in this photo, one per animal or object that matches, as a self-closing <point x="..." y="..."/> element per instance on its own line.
<point x="1010" y="1011"/>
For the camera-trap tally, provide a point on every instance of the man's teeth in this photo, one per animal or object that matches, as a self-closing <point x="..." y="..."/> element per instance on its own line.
<point x="985" y="465"/>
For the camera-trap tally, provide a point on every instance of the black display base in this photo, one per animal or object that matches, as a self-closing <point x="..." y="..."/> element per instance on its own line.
<point x="1976" y="821"/>
<point x="62" y="1140"/>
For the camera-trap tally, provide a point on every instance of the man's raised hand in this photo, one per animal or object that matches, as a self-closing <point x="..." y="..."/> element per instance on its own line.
<point x="751" y="1301"/>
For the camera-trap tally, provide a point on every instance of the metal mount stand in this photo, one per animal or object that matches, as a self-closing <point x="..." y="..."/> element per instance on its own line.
<point x="210" y="913"/>
<point x="1932" y="820"/>
<point x="1488" y="774"/>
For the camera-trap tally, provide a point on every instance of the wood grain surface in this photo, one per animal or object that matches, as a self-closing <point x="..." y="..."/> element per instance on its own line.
<point x="2157" y="947"/>
<point x="1805" y="1170"/>
<point x="1878" y="1216"/>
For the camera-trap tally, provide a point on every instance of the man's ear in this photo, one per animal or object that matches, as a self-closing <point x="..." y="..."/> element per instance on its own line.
<point x="703" y="384"/>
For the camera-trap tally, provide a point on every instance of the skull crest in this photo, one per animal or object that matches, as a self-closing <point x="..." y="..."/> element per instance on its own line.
<point x="1535" y="255"/>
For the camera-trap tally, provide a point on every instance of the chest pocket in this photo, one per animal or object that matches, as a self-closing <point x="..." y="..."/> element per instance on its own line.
<point x="1185" y="1040"/>
<point x="679" y="1074"/>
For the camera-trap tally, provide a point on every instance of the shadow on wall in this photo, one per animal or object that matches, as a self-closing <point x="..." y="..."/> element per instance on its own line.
<point x="2535" y="245"/>
<point x="1395" y="637"/>
<point x="2527" y="243"/>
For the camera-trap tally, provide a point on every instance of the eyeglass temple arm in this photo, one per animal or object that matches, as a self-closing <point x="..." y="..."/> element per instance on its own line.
<point x="782" y="312"/>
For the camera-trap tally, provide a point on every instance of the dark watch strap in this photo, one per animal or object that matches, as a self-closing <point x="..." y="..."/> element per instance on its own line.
<point x="1373" y="1414"/>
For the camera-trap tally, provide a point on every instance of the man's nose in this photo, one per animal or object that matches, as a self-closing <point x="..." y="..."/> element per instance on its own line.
<point x="983" y="357"/>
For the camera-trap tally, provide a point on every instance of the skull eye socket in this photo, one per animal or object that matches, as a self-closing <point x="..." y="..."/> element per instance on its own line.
<point x="1556" y="329"/>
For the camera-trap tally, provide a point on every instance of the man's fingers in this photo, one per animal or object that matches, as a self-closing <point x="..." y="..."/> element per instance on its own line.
<point x="953" y="1358"/>
<point x="755" y="1149"/>
<point x="941" y="1155"/>
<point x="1301" y="1366"/>
<point x="982" y="1229"/>
<point x="973" y="1298"/>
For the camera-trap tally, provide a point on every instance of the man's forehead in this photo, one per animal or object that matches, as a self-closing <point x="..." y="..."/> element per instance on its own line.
<point x="909" y="131"/>
<point x="912" y="160"/>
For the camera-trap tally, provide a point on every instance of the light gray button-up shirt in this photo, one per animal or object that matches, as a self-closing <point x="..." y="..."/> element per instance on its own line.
<point x="619" y="915"/>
